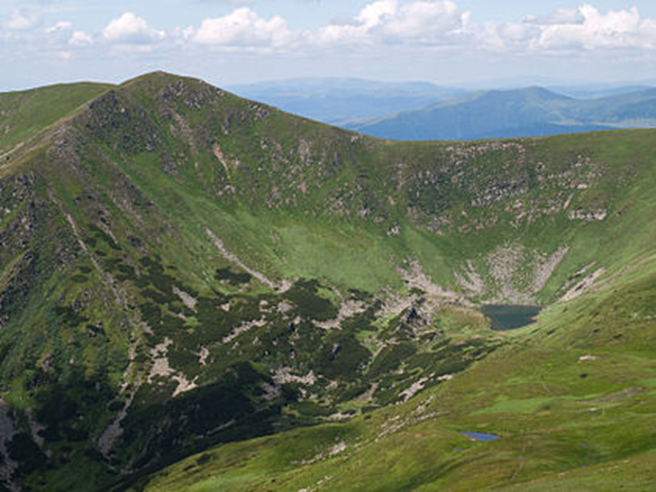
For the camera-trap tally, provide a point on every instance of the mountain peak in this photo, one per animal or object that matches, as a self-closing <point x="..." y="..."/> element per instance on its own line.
<point x="527" y="93"/>
<point x="159" y="78"/>
<point x="150" y="76"/>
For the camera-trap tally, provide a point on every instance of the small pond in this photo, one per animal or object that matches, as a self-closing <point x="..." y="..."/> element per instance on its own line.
<point x="481" y="436"/>
<point x="509" y="316"/>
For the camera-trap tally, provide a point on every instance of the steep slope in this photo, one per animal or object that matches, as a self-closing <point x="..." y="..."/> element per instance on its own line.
<point x="181" y="268"/>
<point x="515" y="113"/>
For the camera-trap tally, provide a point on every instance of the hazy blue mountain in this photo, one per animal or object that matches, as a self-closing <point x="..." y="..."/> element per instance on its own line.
<point x="525" y="112"/>
<point x="598" y="91"/>
<point x="635" y="110"/>
<point x="336" y="100"/>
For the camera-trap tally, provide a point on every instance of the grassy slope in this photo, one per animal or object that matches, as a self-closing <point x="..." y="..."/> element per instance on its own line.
<point x="565" y="423"/>
<point x="23" y="114"/>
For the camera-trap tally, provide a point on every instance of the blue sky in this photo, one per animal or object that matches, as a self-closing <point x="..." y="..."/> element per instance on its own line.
<point x="449" y="42"/>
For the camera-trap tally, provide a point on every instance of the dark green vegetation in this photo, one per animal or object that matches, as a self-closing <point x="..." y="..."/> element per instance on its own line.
<point x="183" y="271"/>
<point x="527" y="112"/>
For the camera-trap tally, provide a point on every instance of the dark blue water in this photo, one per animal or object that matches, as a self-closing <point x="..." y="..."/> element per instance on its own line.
<point x="481" y="436"/>
<point x="510" y="317"/>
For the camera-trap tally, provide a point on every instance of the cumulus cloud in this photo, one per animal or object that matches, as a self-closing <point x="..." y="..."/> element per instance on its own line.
<point x="358" y="30"/>
<point x="80" y="39"/>
<point x="22" y="20"/>
<point x="593" y="30"/>
<point x="558" y="16"/>
<point x="584" y="28"/>
<point x="60" y="26"/>
<point x="426" y="22"/>
<point x="243" y="28"/>
<point x="379" y="25"/>
<point x="64" y="55"/>
<point x="389" y="21"/>
<point x="441" y="23"/>
<point x="130" y="29"/>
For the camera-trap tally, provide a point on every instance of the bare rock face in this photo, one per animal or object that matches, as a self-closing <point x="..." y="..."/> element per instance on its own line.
<point x="511" y="273"/>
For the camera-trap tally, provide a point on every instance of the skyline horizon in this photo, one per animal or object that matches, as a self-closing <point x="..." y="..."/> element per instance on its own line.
<point x="503" y="83"/>
<point x="234" y="42"/>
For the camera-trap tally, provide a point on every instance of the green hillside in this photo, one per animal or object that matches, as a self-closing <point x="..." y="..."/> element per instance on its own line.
<point x="183" y="271"/>
<point x="24" y="114"/>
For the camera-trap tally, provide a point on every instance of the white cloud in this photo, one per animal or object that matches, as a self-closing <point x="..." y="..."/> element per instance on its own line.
<point x="428" y="21"/>
<point x="615" y="29"/>
<point x="584" y="28"/>
<point x="22" y="20"/>
<point x="379" y="27"/>
<point x="80" y="39"/>
<point x="391" y="21"/>
<point x="441" y="23"/>
<point x="64" y="55"/>
<point x="374" y="13"/>
<point x="558" y="16"/>
<point x="357" y="30"/>
<point x="60" y="27"/>
<point x="243" y="28"/>
<point x="130" y="29"/>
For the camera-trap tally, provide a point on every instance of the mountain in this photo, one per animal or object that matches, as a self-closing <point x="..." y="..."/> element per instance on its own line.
<point x="598" y="91"/>
<point x="199" y="291"/>
<point x="335" y="100"/>
<point x="515" y="113"/>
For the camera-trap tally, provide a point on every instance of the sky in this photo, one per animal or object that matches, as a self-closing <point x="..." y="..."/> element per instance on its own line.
<point x="228" y="42"/>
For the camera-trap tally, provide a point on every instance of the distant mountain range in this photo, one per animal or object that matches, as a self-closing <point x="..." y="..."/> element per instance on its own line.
<point x="533" y="111"/>
<point x="425" y="111"/>
<point x="337" y="100"/>
<point x="595" y="91"/>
